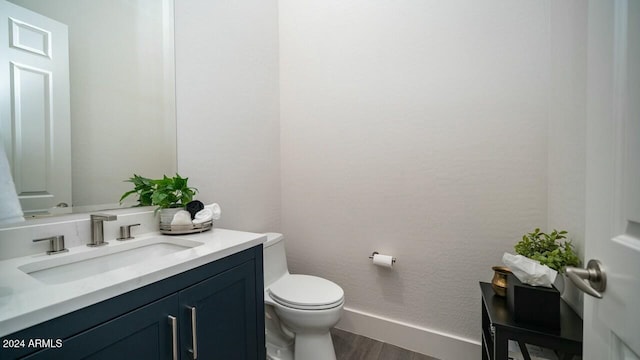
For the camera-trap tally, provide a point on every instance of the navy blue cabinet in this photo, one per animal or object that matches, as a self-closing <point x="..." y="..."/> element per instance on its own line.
<point x="218" y="310"/>
<point x="217" y="319"/>
<point x="141" y="334"/>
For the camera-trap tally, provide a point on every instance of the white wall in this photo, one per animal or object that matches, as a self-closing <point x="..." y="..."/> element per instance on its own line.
<point x="429" y="130"/>
<point x="228" y="108"/>
<point x="417" y="129"/>
<point x="567" y="127"/>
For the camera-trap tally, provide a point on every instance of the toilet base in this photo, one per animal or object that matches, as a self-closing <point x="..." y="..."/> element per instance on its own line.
<point x="314" y="346"/>
<point x="279" y="353"/>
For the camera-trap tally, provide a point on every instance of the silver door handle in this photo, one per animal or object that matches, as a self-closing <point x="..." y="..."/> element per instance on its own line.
<point x="594" y="274"/>
<point x="194" y="338"/>
<point x="173" y="322"/>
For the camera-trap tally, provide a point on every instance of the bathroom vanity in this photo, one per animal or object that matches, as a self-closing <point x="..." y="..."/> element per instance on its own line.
<point x="204" y="301"/>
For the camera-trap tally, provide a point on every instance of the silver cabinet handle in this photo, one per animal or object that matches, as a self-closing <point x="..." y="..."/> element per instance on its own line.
<point x="173" y="322"/>
<point x="594" y="274"/>
<point x="194" y="337"/>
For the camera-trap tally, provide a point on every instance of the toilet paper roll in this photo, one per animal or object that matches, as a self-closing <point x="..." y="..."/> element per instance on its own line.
<point x="383" y="260"/>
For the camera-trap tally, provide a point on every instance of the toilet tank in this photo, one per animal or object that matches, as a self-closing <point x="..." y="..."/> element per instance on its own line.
<point x="274" y="258"/>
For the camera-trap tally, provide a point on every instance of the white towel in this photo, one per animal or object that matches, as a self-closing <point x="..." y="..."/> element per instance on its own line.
<point x="181" y="218"/>
<point x="215" y="208"/>
<point x="10" y="209"/>
<point x="202" y="216"/>
<point x="210" y="212"/>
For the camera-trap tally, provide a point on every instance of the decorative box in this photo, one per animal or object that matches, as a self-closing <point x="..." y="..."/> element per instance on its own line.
<point x="534" y="305"/>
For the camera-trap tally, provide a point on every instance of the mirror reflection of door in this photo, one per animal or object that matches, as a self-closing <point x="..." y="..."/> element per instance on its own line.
<point x="35" y="107"/>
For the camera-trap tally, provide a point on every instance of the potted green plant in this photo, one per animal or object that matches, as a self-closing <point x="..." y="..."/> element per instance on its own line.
<point x="551" y="249"/>
<point x="554" y="251"/>
<point x="166" y="193"/>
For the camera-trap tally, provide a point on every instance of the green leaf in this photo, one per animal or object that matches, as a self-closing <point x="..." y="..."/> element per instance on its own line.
<point x="127" y="194"/>
<point x="165" y="192"/>
<point x="548" y="249"/>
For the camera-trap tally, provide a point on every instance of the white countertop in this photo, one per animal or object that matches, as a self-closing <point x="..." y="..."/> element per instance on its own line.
<point x="25" y="301"/>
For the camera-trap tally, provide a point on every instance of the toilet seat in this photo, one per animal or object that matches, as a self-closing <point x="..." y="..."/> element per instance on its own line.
<point x="306" y="292"/>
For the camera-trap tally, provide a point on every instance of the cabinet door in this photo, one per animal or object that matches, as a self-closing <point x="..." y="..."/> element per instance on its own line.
<point x="145" y="333"/>
<point x="222" y="310"/>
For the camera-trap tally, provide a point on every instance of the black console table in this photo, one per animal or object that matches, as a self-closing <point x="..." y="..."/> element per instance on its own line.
<point x="498" y="327"/>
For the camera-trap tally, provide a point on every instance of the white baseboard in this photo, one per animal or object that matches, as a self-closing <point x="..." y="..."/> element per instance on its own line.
<point x="415" y="338"/>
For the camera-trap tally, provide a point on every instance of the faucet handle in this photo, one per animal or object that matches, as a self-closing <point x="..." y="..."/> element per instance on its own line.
<point x="125" y="232"/>
<point x="56" y="244"/>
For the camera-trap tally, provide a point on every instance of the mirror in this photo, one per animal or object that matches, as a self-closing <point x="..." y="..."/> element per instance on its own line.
<point x="122" y="95"/>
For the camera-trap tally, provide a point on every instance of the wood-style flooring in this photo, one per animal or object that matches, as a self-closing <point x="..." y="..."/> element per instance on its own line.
<point x="350" y="346"/>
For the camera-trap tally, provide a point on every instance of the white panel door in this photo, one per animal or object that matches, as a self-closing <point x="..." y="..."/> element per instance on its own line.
<point x="35" y="106"/>
<point x="612" y="323"/>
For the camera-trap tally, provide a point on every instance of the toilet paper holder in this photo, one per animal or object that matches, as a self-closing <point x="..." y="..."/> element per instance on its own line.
<point x="393" y="260"/>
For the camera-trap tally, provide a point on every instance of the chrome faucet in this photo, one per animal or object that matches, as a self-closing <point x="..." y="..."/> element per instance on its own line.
<point x="97" y="229"/>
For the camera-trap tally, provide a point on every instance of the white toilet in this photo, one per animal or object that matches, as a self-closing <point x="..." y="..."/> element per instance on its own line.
<point x="299" y="309"/>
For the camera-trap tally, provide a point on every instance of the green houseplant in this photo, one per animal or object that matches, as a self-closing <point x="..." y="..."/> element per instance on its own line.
<point x="551" y="249"/>
<point x="165" y="193"/>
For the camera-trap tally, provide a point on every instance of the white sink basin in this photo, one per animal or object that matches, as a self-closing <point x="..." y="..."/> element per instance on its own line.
<point x="92" y="261"/>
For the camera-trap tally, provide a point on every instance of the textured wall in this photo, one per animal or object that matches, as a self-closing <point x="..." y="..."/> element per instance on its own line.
<point x="429" y="130"/>
<point x="227" y="105"/>
<point x="567" y="127"/>
<point x="418" y="129"/>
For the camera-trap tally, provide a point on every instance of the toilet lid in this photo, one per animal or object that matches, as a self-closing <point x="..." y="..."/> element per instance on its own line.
<point x="306" y="292"/>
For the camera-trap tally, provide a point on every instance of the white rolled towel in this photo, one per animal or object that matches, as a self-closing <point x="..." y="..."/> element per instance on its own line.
<point x="181" y="217"/>
<point x="202" y="216"/>
<point x="210" y="212"/>
<point x="215" y="208"/>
